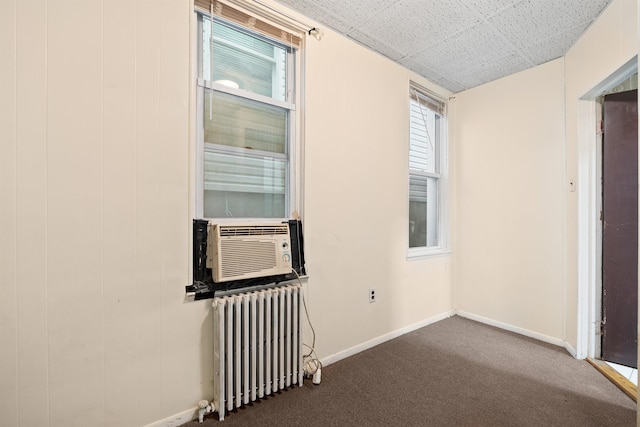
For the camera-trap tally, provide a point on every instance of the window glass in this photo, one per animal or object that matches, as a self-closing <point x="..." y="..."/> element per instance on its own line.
<point x="237" y="122"/>
<point x="243" y="60"/>
<point x="425" y="174"/>
<point x="246" y="112"/>
<point x="423" y="211"/>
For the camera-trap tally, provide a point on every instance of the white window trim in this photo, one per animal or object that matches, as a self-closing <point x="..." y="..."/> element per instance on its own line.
<point x="443" y="188"/>
<point x="294" y="177"/>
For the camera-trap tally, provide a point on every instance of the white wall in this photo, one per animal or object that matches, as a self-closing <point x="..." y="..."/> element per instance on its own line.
<point x="509" y="170"/>
<point x="95" y="222"/>
<point x="518" y="142"/>
<point x="607" y="45"/>
<point x="356" y="192"/>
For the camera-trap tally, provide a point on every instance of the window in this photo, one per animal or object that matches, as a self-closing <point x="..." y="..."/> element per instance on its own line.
<point x="427" y="165"/>
<point x="246" y="120"/>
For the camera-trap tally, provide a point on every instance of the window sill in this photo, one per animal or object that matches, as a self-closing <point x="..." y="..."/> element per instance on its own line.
<point x="425" y="253"/>
<point x="207" y="291"/>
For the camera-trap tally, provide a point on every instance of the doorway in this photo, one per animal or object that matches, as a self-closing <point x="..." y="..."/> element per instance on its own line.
<point x="619" y="225"/>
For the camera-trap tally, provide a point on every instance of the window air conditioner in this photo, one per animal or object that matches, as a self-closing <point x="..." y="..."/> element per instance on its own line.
<point x="244" y="251"/>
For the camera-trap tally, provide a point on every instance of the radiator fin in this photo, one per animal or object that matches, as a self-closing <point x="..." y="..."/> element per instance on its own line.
<point x="257" y="345"/>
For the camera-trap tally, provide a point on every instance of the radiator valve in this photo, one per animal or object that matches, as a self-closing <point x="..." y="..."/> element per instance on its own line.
<point x="204" y="407"/>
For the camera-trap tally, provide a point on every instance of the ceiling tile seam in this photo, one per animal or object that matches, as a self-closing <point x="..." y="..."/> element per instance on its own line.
<point x="499" y="10"/>
<point x="391" y="48"/>
<point x="372" y="15"/>
<point x="504" y="38"/>
<point x="483" y="65"/>
<point x="429" y="46"/>
<point x="584" y="24"/>
<point x="359" y="42"/>
<point x="439" y="41"/>
<point x="584" y="30"/>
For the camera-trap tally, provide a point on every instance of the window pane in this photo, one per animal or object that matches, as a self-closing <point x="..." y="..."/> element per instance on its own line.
<point x="424" y="138"/>
<point x="243" y="186"/>
<point x="243" y="60"/>
<point x="229" y="204"/>
<point x="242" y="123"/>
<point x="423" y="211"/>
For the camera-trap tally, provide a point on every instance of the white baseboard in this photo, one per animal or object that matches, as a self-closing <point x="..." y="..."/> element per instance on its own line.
<point x="511" y="328"/>
<point x="177" y="419"/>
<point x="572" y="351"/>
<point x="383" y="338"/>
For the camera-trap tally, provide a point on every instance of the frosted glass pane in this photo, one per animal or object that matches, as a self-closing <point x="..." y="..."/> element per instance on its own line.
<point x="242" y="123"/>
<point x="243" y="186"/>
<point x="247" y="174"/>
<point x="230" y="204"/>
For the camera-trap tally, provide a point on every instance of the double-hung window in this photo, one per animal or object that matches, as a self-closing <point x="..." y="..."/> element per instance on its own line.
<point x="427" y="167"/>
<point x="246" y="120"/>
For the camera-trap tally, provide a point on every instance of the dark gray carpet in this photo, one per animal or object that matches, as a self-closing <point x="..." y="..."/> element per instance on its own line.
<point x="456" y="372"/>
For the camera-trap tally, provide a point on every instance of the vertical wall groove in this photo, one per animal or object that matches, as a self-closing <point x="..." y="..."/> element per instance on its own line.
<point x="9" y="355"/>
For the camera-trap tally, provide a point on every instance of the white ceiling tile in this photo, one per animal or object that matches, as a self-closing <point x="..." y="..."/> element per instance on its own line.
<point x="554" y="46"/>
<point x="498" y="68"/>
<point x="421" y="69"/>
<point x="488" y="8"/>
<point x="467" y="81"/>
<point x="412" y="25"/>
<point x="450" y="85"/>
<point x="376" y="45"/>
<point x="458" y="43"/>
<point x="353" y="12"/>
<point x="476" y="45"/>
<point x="566" y="14"/>
<point x="319" y="14"/>
<point x="528" y="21"/>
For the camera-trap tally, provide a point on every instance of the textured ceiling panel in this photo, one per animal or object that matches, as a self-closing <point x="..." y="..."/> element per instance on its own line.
<point x="524" y="28"/>
<point x="468" y="49"/>
<point x="459" y="44"/>
<point x="503" y="67"/>
<point x="487" y="8"/>
<point x="379" y="46"/>
<point x="410" y="26"/>
<point x="421" y="69"/>
<point x="553" y="47"/>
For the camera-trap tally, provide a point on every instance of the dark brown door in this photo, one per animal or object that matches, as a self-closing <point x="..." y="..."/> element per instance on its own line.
<point x="620" y="229"/>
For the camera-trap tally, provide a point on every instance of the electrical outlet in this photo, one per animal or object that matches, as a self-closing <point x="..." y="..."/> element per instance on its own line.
<point x="372" y="295"/>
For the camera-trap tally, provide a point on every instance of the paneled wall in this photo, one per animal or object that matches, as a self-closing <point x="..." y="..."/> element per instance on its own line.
<point x="96" y="190"/>
<point x="94" y="220"/>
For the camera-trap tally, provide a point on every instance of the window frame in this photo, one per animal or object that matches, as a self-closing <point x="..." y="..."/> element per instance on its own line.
<point x="441" y="174"/>
<point x="291" y="104"/>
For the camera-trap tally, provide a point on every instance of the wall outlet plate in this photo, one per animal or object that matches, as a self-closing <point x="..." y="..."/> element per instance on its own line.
<point x="372" y="295"/>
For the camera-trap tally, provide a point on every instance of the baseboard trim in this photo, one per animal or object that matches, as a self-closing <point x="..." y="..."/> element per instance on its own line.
<point x="572" y="351"/>
<point x="517" y="330"/>
<point x="383" y="338"/>
<point x="177" y="419"/>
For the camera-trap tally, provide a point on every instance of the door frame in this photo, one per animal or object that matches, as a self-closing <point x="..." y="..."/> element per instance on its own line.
<point x="589" y="190"/>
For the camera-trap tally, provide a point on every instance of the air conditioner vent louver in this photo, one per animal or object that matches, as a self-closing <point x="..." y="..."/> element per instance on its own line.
<point x="256" y="230"/>
<point x="247" y="251"/>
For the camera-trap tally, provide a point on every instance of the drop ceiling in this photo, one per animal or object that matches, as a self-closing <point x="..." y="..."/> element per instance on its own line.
<point x="459" y="44"/>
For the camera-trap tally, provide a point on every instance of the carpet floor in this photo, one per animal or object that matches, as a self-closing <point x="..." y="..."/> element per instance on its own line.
<point x="456" y="372"/>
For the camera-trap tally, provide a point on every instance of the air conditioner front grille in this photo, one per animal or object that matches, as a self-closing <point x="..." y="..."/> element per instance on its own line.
<point x="240" y="257"/>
